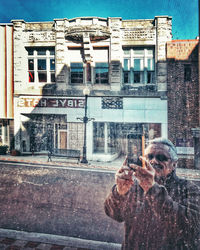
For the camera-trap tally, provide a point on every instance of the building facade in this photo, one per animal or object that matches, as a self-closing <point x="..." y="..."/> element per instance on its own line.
<point x="6" y="85"/>
<point x="183" y="97"/>
<point x="123" y="62"/>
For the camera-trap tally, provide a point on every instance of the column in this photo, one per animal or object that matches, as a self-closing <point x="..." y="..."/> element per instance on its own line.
<point x="196" y="136"/>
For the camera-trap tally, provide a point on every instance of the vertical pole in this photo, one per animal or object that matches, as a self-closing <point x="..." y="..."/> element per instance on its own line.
<point x="85" y="120"/>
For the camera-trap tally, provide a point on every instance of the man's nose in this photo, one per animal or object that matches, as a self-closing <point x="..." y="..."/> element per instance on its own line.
<point x="153" y="160"/>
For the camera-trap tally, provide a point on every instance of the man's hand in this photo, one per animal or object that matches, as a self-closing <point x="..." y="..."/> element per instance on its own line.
<point x="123" y="179"/>
<point x="145" y="175"/>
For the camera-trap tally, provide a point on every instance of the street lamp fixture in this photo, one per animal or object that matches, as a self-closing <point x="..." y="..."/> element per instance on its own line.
<point x="86" y="92"/>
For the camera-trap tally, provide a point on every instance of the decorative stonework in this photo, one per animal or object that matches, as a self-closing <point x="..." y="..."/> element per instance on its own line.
<point x="112" y="103"/>
<point x="95" y="32"/>
<point x="40" y="36"/>
<point x="139" y="34"/>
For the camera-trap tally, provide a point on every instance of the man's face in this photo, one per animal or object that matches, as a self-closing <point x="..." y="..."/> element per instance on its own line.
<point x="159" y="157"/>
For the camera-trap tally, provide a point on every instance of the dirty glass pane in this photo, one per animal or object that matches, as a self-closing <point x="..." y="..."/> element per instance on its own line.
<point x="52" y="52"/>
<point x="30" y="64"/>
<point x="31" y="76"/>
<point x="126" y="76"/>
<point x="150" y="64"/>
<point x="150" y="77"/>
<point x="76" y="73"/>
<point x="112" y="138"/>
<point x="137" y="77"/>
<point x="138" y="51"/>
<point x="127" y="51"/>
<point x="126" y="64"/>
<point x="98" y="142"/>
<point x="154" y="130"/>
<point x="53" y="77"/>
<point x="101" y="73"/>
<point x="112" y="141"/>
<point x="42" y="76"/>
<point x="41" y="51"/>
<point x="150" y="52"/>
<point x="41" y="64"/>
<point x="52" y="64"/>
<point x="137" y="64"/>
<point x="30" y="51"/>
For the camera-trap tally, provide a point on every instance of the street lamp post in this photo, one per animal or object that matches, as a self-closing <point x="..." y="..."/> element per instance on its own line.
<point x="86" y="93"/>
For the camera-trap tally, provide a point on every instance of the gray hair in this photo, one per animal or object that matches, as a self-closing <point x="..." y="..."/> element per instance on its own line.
<point x="164" y="141"/>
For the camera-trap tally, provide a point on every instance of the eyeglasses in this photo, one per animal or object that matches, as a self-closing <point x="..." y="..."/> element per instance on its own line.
<point x="158" y="157"/>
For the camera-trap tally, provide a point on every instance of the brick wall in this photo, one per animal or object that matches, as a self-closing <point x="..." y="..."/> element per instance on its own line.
<point x="183" y="94"/>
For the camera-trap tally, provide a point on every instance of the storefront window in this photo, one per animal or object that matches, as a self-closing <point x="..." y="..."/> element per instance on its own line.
<point x="99" y="137"/>
<point x="111" y="138"/>
<point x="42" y="132"/>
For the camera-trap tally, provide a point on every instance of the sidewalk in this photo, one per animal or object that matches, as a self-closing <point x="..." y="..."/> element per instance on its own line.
<point x="42" y="160"/>
<point x="19" y="240"/>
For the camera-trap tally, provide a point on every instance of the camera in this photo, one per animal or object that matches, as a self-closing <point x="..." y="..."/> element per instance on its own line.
<point x="134" y="151"/>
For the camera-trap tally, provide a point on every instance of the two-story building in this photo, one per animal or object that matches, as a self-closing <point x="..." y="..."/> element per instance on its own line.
<point x="123" y="62"/>
<point x="6" y="85"/>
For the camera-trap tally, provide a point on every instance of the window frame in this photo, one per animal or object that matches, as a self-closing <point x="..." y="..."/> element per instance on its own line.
<point x="34" y="73"/>
<point x="143" y="73"/>
<point x="80" y="79"/>
<point x="101" y="79"/>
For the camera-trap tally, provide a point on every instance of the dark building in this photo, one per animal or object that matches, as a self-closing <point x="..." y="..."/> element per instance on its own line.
<point x="183" y="97"/>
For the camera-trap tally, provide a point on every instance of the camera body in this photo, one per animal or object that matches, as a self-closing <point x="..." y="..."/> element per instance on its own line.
<point x="134" y="150"/>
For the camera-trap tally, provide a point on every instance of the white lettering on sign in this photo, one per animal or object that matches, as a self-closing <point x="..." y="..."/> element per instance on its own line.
<point x="35" y="102"/>
<point x="21" y="102"/>
<point x="63" y="102"/>
<point x="55" y="103"/>
<point x="51" y="103"/>
<point x="43" y="102"/>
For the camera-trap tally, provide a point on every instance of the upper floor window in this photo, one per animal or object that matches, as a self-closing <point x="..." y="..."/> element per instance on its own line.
<point x="101" y="73"/>
<point x="138" y="66"/>
<point x="82" y="71"/>
<point x="76" y="72"/>
<point x="41" y="65"/>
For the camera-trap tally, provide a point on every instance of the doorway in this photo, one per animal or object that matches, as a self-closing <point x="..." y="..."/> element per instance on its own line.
<point x="62" y="139"/>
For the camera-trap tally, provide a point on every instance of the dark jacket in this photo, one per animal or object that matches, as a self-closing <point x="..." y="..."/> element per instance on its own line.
<point x="166" y="217"/>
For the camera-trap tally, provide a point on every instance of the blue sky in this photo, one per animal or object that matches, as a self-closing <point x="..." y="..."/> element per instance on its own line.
<point x="184" y="12"/>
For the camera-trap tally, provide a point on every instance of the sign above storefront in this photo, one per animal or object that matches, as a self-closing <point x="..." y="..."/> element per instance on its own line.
<point x="51" y="102"/>
<point x="112" y="103"/>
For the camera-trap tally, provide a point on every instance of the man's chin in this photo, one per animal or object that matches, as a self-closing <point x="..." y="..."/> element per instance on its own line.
<point x="159" y="178"/>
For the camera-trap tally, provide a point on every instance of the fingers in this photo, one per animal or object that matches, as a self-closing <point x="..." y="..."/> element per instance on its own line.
<point x="147" y="163"/>
<point x="125" y="161"/>
<point x="124" y="173"/>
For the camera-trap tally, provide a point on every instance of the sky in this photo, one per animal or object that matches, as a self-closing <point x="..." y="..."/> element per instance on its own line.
<point x="184" y="13"/>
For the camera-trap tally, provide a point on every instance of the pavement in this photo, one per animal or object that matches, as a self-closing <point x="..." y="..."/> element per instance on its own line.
<point x="42" y="160"/>
<point x="17" y="240"/>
